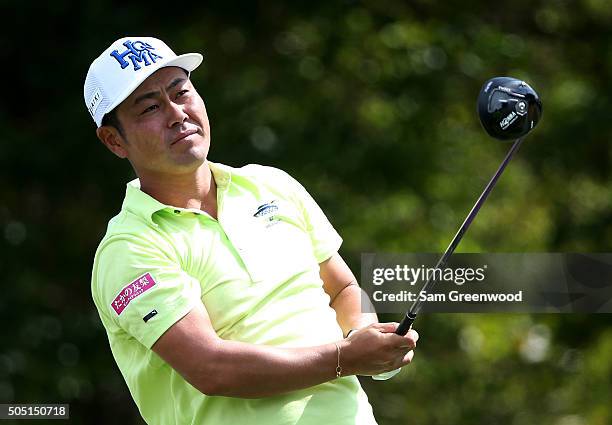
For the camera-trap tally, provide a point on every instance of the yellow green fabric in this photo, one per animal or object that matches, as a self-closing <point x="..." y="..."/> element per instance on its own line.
<point x="255" y="268"/>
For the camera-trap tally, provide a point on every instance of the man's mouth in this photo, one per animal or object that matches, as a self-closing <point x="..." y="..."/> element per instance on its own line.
<point x="183" y="135"/>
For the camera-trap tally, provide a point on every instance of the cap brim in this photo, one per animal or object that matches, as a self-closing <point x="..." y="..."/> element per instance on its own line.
<point x="188" y="61"/>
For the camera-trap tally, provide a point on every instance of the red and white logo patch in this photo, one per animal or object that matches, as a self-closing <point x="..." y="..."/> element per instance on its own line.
<point x="131" y="291"/>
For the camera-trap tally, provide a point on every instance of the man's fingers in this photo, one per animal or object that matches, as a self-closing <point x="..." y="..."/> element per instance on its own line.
<point x="407" y="358"/>
<point x="408" y="341"/>
<point x="413" y="334"/>
<point x="389" y="327"/>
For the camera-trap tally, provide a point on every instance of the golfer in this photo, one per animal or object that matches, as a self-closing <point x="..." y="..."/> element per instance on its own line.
<point x="221" y="289"/>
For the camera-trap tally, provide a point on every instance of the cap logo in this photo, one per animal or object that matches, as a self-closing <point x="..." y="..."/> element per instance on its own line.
<point x="137" y="52"/>
<point x="94" y="102"/>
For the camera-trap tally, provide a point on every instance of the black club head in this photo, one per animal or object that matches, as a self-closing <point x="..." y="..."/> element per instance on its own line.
<point x="508" y="108"/>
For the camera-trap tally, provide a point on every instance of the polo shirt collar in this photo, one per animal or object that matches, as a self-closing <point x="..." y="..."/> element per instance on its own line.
<point x="144" y="205"/>
<point x="221" y="173"/>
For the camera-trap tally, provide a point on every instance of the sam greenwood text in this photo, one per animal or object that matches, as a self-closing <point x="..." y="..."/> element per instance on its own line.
<point x="452" y="296"/>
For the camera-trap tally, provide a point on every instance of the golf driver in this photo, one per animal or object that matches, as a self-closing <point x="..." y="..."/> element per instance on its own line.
<point x="508" y="109"/>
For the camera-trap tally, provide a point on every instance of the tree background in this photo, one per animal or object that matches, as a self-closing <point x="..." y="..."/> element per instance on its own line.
<point x="371" y="105"/>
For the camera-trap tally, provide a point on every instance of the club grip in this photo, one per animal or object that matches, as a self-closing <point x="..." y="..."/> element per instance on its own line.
<point x="406" y="324"/>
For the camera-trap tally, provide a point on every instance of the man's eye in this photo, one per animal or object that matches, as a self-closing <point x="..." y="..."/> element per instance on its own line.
<point x="182" y="92"/>
<point x="149" y="109"/>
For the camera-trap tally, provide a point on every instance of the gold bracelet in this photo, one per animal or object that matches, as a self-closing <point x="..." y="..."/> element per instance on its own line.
<point x="338" y="368"/>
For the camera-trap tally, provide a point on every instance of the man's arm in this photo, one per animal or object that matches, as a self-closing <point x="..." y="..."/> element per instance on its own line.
<point x="345" y="295"/>
<point x="235" y="369"/>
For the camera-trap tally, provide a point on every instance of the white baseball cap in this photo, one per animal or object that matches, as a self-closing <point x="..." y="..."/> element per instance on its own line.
<point x="121" y="68"/>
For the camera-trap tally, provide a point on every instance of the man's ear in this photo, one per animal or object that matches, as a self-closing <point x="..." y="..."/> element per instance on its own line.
<point x="113" y="140"/>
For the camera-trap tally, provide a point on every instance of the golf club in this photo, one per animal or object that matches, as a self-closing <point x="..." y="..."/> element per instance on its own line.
<point x="508" y="109"/>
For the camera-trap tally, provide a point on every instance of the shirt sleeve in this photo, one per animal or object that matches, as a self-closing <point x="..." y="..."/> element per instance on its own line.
<point x="324" y="238"/>
<point x="140" y="289"/>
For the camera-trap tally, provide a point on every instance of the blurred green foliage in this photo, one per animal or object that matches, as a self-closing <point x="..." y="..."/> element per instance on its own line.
<point x="372" y="106"/>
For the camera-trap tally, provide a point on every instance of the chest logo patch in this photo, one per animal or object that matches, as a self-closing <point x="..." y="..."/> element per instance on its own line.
<point x="266" y="209"/>
<point x="266" y="214"/>
<point x="132" y="291"/>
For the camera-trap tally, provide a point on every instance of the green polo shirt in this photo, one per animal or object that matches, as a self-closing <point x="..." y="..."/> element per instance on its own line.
<point x="255" y="269"/>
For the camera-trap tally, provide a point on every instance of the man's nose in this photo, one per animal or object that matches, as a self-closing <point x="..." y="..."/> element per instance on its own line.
<point x="176" y="114"/>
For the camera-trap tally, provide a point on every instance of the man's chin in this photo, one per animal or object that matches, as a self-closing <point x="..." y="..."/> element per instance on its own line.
<point x="194" y="156"/>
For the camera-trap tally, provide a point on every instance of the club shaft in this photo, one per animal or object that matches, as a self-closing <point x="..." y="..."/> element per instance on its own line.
<point x="411" y="315"/>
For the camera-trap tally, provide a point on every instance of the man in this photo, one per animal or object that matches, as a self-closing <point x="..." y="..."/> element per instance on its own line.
<point x="221" y="289"/>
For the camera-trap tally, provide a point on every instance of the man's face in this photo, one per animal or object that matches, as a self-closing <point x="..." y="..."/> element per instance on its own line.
<point x="165" y="125"/>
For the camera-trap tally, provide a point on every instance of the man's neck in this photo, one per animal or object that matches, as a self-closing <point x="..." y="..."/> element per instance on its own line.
<point x="195" y="190"/>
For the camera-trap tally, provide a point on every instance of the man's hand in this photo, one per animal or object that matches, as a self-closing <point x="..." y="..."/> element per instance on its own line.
<point x="376" y="349"/>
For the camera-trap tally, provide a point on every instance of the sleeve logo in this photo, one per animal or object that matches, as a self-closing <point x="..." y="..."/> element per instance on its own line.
<point x="131" y="291"/>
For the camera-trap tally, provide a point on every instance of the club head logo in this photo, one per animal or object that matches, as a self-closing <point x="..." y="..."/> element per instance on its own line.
<point x="509" y="119"/>
<point x="138" y="52"/>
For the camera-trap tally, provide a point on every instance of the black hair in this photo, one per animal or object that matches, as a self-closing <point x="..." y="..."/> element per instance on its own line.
<point x="111" y="119"/>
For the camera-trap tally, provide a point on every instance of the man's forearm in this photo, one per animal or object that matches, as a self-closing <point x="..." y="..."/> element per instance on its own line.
<point x="346" y="296"/>
<point x="238" y="369"/>
<point x="348" y="307"/>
